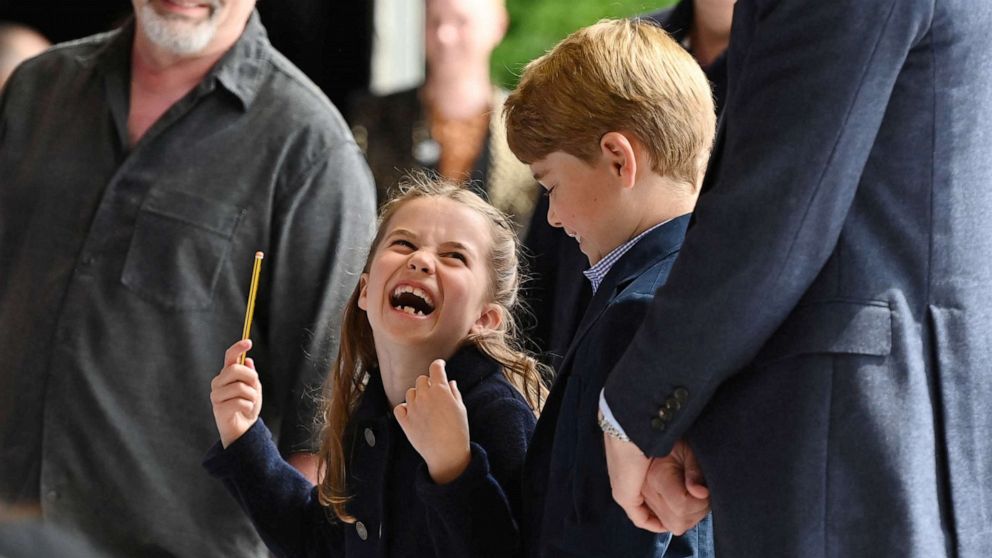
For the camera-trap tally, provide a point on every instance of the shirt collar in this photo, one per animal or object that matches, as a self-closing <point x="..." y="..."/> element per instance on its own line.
<point x="240" y="70"/>
<point x="598" y="272"/>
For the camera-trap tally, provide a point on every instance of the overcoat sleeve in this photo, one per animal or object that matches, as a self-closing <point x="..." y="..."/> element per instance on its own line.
<point x="809" y="85"/>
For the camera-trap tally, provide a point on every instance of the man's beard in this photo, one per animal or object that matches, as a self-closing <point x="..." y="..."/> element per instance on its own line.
<point x="176" y="34"/>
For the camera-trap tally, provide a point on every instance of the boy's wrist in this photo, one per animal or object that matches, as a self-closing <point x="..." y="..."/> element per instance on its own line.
<point x="607" y="422"/>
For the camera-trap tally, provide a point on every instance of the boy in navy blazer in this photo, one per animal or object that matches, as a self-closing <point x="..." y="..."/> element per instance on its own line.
<point x="616" y="123"/>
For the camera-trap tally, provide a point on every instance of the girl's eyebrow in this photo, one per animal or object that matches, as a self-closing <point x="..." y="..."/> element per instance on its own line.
<point x="402" y="232"/>
<point x="449" y="245"/>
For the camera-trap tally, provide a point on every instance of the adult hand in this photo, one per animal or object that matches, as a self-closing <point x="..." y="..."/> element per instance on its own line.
<point x="436" y="423"/>
<point x="628" y="468"/>
<point x="236" y="394"/>
<point x="675" y="490"/>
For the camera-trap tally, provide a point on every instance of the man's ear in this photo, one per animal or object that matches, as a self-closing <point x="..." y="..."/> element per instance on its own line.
<point x="617" y="149"/>
<point x="491" y="318"/>
<point x="363" y="294"/>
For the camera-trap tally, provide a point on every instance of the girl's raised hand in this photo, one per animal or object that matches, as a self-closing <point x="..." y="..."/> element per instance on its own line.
<point x="236" y="394"/>
<point x="436" y="423"/>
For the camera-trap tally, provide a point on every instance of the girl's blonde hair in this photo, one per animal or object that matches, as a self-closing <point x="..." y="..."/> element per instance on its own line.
<point x="357" y="357"/>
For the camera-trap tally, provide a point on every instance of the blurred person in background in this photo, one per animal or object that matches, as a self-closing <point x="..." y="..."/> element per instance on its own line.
<point x="61" y="20"/>
<point x="17" y="44"/>
<point x="451" y="124"/>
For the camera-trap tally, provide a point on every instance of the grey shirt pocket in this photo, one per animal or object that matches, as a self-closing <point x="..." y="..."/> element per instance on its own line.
<point x="178" y="248"/>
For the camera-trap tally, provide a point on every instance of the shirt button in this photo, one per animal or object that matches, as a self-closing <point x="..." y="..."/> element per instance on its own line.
<point x="370" y="437"/>
<point x="363" y="533"/>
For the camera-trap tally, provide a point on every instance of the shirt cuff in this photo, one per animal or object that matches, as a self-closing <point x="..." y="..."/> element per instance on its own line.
<point x="607" y="414"/>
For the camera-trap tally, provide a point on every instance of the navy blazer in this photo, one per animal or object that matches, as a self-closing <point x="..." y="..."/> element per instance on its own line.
<point x="824" y="340"/>
<point x="398" y="508"/>
<point x="569" y="509"/>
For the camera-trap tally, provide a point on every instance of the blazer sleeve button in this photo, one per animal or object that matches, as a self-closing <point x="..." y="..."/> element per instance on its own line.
<point x="658" y="424"/>
<point x="681" y="394"/>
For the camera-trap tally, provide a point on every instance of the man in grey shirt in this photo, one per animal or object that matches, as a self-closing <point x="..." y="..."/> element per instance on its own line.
<point x="140" y="170"/>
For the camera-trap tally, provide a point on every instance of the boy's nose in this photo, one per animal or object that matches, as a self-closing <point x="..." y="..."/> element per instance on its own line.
<point x="553" y="217"/>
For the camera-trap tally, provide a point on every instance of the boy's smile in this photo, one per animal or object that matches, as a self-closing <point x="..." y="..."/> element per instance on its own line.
<point x="584" y="200"/>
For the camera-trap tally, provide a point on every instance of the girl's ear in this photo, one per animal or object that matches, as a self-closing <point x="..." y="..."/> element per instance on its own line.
<point x="491" y="318"/>
<point x="363" y="295"/>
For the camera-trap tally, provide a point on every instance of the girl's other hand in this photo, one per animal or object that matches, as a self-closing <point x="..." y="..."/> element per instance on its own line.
<point x="436" y="423"/>
<point x="236" y="394"/>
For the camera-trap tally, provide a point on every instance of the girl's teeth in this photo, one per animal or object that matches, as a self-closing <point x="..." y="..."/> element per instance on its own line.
<point x="416" y="291"/>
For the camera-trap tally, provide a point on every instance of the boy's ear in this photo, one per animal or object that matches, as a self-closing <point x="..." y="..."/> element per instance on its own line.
<point x="617" y="149"/>
<point x="363" y="294"/>
<point x="491" y="318"/>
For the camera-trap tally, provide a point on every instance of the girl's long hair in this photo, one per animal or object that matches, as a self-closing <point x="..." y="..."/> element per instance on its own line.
<point x="357" y="357"/>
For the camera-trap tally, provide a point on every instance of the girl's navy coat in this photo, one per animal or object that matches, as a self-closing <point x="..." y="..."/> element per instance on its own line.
<point x="399" y="510"/>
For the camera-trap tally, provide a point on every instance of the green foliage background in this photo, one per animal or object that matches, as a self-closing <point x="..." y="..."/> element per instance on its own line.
<point x="536" y="25"/>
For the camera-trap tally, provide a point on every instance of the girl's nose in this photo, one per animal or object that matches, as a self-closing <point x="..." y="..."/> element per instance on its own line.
<point x="421" y="262"/>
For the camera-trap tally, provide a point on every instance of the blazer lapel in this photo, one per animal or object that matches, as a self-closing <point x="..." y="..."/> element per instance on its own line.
<point x="654" y="247"/>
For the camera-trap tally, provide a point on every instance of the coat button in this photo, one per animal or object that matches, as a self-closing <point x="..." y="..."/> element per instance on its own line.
<point x="370" y="437"/>
<point x="680" y="394"/>
<point x="658" y="424"/>
<point x="363" y="533"/>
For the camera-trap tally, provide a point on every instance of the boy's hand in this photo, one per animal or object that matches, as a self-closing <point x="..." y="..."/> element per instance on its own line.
<point x="436" y="423"/>
<point x="236" y="395"/>
<point x="628" y="467"/>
